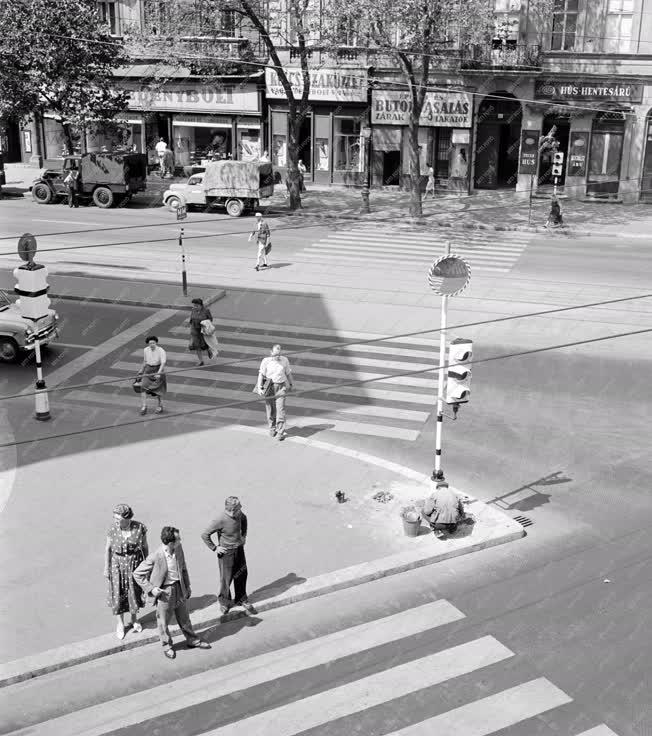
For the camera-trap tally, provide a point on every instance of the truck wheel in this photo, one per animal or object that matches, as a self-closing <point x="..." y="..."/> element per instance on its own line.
<point x="8" y="350"/>
<point x="42" y="193"/>
<point x="103" y="197"/>
<point x="172" y="203"/>
<point x="234" y="207"/>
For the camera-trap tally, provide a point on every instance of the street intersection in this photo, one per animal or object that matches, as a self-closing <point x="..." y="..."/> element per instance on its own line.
<point x="558" y="438"/>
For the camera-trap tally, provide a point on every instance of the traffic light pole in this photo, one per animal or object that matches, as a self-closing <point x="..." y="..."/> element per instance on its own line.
<point x="41" y="400"/>
<point x="439" y="473"/>
<point x="184" y="276"/>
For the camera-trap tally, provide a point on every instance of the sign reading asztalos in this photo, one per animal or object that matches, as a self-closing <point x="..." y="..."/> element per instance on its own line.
<point x="340" y="85"/>
<point x="440" y="109"/>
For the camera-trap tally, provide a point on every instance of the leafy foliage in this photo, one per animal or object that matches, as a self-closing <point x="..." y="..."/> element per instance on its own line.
<point x="56" y="56"/>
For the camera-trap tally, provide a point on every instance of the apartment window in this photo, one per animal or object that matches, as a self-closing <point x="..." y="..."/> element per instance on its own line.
<point x="564" y="25"/>
<point x="107" y="15"/>
<point x="618" y="31"/>
<point x="157" y="16"/>
<point x="506" y="19"/>
<point x="347" y="31"/>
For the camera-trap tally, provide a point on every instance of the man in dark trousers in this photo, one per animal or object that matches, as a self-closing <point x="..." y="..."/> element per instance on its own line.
<point x="231" y="529"/>
<point x="164" y="577"/>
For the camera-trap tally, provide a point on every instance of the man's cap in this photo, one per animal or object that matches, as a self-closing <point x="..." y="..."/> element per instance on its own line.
<point x="259" y="214"/>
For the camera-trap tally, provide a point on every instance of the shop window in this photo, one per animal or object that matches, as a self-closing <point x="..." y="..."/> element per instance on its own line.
<point x="322" y="154"/>
<point x="248" y="144"/>
<point x="605" y="153"/>
<point x="107" y="13"/>
<point x="425" y="150"/>
<point x="347" y="144"/>
<point x="618" y="29"/>
<point x="279" y="150"/>
<point x="564" y="25"/>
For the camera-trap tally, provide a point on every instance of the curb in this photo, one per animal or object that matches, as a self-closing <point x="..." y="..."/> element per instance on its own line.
<point x="77" y="653"/>
<point x="133" y="303"/>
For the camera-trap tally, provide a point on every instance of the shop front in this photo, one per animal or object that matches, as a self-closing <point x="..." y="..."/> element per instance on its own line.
<point x="444" y="138"/>
<point x="595" y="127"/>
<point x="331" y="142"/>
<point x="199" y="123"/>
<point x="498" y="137"/>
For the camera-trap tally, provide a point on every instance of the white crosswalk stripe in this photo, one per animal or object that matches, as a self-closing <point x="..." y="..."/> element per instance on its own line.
<point x="462" y="708"/>
<point x="375" y="386"/>
<point x="484" y="250"/>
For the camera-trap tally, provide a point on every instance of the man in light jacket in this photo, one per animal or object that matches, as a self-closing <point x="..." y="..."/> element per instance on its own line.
<point x="443" y="510"/>
<point x="164" y="577"/>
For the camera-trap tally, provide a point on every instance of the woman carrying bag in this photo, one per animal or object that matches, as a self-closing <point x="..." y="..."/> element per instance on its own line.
<point x="198" y="343"/>
<point x="151" y="379"/>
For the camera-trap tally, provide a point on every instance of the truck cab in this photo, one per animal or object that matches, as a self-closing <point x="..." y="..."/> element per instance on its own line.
<point x="191" y="193"/>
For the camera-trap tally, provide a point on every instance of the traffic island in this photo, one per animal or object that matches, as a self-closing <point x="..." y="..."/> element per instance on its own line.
<point x="321" y="545"/>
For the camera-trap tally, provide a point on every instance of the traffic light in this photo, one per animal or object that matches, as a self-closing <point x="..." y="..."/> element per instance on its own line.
<point x="558" y="164"/>
<point x="458" y="383"/>
<point x="32" y="288"/>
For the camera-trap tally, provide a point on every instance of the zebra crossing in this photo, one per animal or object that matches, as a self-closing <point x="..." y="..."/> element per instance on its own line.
<point x="377" y="385"/>
<point x="495" y="252"/>
<point x="344" y="683"/>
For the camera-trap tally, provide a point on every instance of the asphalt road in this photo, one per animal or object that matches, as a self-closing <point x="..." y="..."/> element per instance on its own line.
<point x="559" y="438"/>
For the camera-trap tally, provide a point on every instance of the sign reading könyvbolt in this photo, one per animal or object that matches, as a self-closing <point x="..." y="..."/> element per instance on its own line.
<point x="440" y="109"/>
<point x="590" y="90"/>
<point x="339" y="85"/>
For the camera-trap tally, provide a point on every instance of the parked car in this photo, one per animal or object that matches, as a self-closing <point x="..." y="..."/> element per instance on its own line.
<point x="108" y="179"/>
<point x="236" y="185"/>
<point x="17" y="333"/>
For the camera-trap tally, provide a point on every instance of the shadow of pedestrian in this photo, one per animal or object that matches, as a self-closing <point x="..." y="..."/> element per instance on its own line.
<point x="278" y="265"/>
<point x="278" y="586"/>
<point x="196" y="603"/>
<point x="308" y="431"/>
<point x="220" y="631"/>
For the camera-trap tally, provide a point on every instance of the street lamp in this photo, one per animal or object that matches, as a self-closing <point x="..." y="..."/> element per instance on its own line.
<point x="366" y="134"/>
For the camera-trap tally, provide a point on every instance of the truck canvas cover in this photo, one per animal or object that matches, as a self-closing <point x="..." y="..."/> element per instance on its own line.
<point x="114" y="168"/>
<point x="239" y="179"/>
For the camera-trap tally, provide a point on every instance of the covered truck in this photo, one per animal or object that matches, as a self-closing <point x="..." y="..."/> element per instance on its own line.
<point x="108" y="179"/>
<point x="237" y="185"/>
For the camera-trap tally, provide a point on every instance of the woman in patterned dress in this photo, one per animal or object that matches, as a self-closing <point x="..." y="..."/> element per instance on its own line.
<point x="126" y="548"/>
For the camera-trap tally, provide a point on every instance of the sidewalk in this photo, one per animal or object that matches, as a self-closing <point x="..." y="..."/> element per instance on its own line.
<point x="302" y="543"/>
<point x="486" y="210"/>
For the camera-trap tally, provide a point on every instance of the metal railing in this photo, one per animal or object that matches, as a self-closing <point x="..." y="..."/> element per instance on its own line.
<point x="501" y="55"/>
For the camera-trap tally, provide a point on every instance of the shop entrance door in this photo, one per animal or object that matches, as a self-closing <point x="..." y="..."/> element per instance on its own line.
<point x="646" y="181"/>
<point x="605" y="154"/>
<point x="391" y="168"/>
<point x="498" y="141"/>
<point x="10" y="142"/>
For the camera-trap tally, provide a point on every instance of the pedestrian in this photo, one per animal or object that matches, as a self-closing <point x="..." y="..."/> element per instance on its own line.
<point x="153" y="381"/>
<point x="443" y="510"/>
<point x="161" y="148"/>
<point x="198" y="343"/>
<point x="264" y="158"/>
<point x="231" y="529"/>
<point x="302" y="173"/>
<point x="71" y="186"/>
<point x="430" y="184"/>
<point x="163" y="575"/>
<point x="126" y="548"/>
<point x="274" y="382"/>
<point x="168" y="164"/>
<point x="264" y="239"/>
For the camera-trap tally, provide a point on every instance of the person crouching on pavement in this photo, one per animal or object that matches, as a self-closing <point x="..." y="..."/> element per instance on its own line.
<point x="444" y="510"/>
<point x="163" y="575"/>
<point x="555" y="217"/>
<point x="231" y="529"/>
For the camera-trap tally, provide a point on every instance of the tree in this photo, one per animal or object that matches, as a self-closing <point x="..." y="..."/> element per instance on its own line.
<point x="421" y="37"/>
<point x="56" y="56"/>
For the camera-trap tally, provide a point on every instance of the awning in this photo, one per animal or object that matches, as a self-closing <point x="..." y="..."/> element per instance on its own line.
<point x="387" y="138"/>
<point x="147" y="71"/>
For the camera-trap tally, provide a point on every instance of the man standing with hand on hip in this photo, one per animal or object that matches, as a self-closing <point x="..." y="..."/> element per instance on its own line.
<point x="231" y="529"/>
<point x="263" y="238"/>
<point x="274" y="381"/>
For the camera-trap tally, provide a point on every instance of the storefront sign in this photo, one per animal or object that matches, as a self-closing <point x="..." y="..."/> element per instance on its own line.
<point x="338" y="85"/>
<point x="577" y="153"/>
<point x="198" y="99"/>
<point x="440" y="109"/>
<point x="529" y="152"/>
<point x="608" y="91"/>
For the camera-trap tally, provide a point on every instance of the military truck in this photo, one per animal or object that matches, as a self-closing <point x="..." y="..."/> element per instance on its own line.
<point x="107" y="179"/>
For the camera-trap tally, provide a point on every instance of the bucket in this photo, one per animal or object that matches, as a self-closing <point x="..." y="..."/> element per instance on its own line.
<point x="411" y="528"/>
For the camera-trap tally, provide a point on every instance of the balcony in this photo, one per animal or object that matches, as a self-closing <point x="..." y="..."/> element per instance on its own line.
<point x="502" y="54"/>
